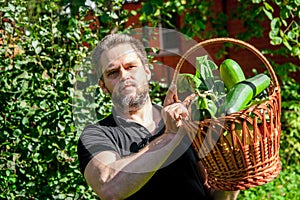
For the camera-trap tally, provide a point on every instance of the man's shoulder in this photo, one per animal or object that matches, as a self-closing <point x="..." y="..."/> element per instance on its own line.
<point x="107" y="121"/>
<point x="101" y="126"/>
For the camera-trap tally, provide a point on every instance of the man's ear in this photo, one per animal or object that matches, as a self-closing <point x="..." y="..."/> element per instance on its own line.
<point x="102" y="86"/>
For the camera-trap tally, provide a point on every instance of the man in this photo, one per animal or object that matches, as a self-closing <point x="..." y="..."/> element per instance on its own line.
<point x="140" y="151"/>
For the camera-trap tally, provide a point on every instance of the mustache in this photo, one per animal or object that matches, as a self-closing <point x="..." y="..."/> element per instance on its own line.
<point x="127" y="82"/>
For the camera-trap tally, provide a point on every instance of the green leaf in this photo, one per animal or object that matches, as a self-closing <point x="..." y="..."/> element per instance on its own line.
<point x="38" y="50"/>
<point x="278" y="2"/>
<point x="268" y="14"/>
<point x="35" y="43"/>
<point x="12" y="7"/>
<point x="197" y="74"/>
<point x="23" y="104"/>
<point x="133" y="12"/>
<point x="212" y="65"/>
<point x="43" y="105"/>
<point x="292" y="35"/>
<point x="296" y="51"/>
<point x="211" y="108"/>
<point x="77" y="36"/>
<point x="187" y="82"/>
<point x="256" y="1"/>
<point x="205" y="69"/>
<point x="203" y="108"/>
<point x="284" y="22"/>
<point x="287" y="44"/>
<point x="25" y="121"/>
<point x="219" y="88"/>
<point x="275" y="23"/>
<point x="24" y="87"/>
<point x="201" y="103"/>
<point x="268" y="7"/>
<point x="61" y="126"/>
<point x="276" y="40"/>
<point x="24" y="75"/>
<point x="273" y="33"/>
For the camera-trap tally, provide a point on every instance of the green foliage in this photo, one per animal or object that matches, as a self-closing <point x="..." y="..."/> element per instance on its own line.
<point x="38" y="140"/>
<point x="285" y="186"/>
<point x="285" y="25"/>
<point x="283" y="17"/>
<point x="158" y="92"/>
<point x="48" y="89"/>
<point x="250" y="21"/>
<point x="290" y="145"/>
<point x="196" y="16"/>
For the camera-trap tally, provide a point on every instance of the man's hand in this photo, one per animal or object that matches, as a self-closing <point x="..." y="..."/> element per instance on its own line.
<point x="226" y="195"/>
<point x="173" y="111"/>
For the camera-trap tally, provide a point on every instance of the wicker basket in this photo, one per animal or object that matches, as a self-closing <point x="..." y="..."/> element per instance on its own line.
<point x="245" y="158"/>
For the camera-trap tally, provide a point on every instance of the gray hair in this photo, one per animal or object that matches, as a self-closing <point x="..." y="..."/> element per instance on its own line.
<point x="113" y="40"/>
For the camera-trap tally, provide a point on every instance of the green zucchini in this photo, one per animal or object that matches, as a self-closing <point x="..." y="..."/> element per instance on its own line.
<point x="243" y="92"/>
<point x="231" y="73"/>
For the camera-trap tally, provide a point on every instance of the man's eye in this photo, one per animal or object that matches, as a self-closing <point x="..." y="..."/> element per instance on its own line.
<point x="131" y="66"/>
<point x="111" y="73"/>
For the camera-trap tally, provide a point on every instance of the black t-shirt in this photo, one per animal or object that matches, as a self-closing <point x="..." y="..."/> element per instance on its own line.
<point x="179" y="179"/>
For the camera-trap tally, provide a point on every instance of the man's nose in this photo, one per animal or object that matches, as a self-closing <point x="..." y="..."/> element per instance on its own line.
<point x="124" y="73"/>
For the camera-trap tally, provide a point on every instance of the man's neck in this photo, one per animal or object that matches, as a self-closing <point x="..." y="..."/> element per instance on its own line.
<point x="147" y="115"/>
<point x="137" y="114"/>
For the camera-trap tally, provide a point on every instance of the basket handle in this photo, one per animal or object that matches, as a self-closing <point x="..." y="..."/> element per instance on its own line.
<point x="222" y="40"/>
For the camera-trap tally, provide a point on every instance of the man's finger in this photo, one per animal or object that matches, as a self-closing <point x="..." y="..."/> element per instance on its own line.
<point x="189" y="99"/>
<point x="171" y="96"/>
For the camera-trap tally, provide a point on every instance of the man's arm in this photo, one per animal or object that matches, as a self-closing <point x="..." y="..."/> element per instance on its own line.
<point x="115" y="178"/>
<point x="112" y="177"/>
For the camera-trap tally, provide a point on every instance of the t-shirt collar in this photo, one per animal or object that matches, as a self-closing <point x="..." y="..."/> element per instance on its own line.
<point x="125" y="122"/>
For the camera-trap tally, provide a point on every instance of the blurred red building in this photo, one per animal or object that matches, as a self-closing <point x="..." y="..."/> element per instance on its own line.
<point x="174" y="46"/>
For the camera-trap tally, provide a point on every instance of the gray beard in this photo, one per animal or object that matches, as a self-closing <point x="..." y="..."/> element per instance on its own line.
<point x="131" y="103"/>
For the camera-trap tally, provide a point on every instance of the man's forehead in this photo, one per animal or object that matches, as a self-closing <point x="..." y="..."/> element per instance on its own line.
<point x="119" y="53"/>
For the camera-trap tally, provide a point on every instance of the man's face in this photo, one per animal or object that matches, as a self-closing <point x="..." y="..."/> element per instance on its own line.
<point x="124" y="77"/>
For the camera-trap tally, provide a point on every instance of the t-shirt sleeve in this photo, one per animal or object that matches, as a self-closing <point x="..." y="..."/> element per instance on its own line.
<point x="93" y="140"/>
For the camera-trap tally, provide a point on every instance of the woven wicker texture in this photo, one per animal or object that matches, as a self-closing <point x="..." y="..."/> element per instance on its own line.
<point x="240" y="150"/>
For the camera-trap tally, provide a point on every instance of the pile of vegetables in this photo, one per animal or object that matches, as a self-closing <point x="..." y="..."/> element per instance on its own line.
<point x="221" y="93"/>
